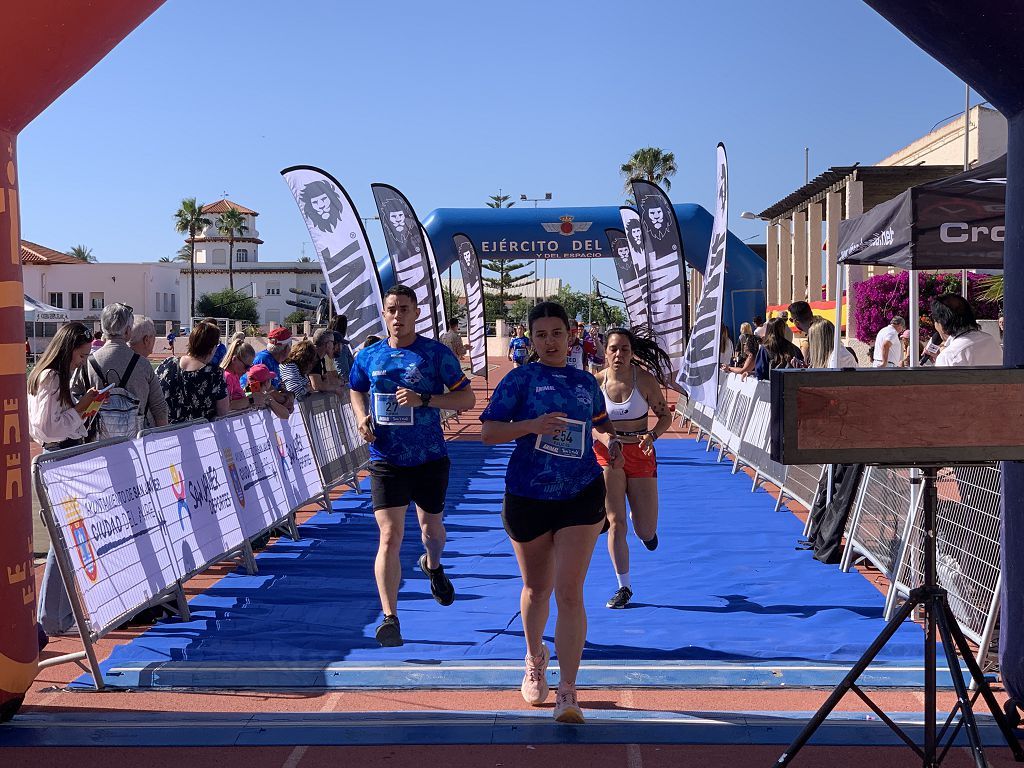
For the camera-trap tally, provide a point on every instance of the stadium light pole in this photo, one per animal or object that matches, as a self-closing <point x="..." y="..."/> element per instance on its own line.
<point x="526" y="199"/>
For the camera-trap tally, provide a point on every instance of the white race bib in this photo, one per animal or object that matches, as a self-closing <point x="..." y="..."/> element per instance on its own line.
<point x="388" y="411"/>
<point x="567" y="442"/>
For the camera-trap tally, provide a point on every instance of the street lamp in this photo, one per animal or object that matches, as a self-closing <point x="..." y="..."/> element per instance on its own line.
<point x="526" y="199"/>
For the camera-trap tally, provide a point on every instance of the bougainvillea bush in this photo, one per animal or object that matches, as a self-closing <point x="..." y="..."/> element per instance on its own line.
<point x="882" y="296"/>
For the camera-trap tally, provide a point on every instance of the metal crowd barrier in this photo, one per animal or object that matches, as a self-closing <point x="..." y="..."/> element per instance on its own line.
<point x="968" y="552"/>
<point x="877" y="524"/>
<point x="801" y="483"/>
<point x="884" y="524"/>
<point x="131" y="520"/>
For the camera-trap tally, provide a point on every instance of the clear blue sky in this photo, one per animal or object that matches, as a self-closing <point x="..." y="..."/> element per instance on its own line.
<point x="450" y="101"/>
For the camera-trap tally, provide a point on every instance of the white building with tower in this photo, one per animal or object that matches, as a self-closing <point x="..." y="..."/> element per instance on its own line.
<point x="266" y="281"/>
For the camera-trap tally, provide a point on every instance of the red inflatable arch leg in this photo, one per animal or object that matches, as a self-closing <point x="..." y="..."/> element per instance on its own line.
<point x="18" y="644"/>
<point x="45" y="46"/>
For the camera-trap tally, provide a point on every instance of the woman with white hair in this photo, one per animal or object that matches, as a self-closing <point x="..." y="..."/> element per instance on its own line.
<point x="117" y="363"/>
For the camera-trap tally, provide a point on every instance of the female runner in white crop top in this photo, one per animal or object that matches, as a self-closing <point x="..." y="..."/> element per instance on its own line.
<point x="632" y="389"/>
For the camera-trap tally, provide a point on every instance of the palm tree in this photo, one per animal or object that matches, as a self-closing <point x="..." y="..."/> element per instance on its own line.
<point x="305" y="259"/>
<point x="230" y="223"/>
<point x="183" y="253"/>
<point x="650" y="164"/>
<point x="82" y="253"/>
<point x="188" y="219"/>
<point x="164" y="259"/>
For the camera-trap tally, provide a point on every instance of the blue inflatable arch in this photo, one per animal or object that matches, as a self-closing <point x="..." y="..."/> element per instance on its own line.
<point x="565" y="233"/>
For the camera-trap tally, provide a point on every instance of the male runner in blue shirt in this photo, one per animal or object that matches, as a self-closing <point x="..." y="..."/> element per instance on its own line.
<point x="398" y="387"/>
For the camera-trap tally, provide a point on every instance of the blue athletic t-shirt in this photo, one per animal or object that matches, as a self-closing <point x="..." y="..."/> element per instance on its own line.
<point x="263" y="356"/>
<point x="425" y="366"/>
<point x="520" y="348"/>
<point x="529" y="392"/>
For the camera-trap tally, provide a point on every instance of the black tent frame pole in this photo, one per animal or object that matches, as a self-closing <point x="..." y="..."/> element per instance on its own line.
<point x="938" y="618"/>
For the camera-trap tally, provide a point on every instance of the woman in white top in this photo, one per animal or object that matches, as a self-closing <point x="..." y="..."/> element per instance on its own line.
<point x="632" y="385"/>
<point x="726" y="349"/>
<point x="56" y="421"/>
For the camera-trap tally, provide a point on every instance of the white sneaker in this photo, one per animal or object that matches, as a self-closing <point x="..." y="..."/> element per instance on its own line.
<point x="567" y="710"/>
<point x="535" y="683"/>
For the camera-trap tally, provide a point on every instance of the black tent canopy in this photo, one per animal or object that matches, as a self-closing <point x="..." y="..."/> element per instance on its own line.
<point x="952" y="223"/>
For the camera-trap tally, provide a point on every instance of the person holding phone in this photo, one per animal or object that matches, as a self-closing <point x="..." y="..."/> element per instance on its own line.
<point x="56" y="421"/>
<point x="398" y="388"/>
<point x="554" y="496"/>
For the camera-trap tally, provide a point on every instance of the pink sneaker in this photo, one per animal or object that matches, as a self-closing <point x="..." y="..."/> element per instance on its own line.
<point x="535" y="682"/>
<point x="567" y="710"/>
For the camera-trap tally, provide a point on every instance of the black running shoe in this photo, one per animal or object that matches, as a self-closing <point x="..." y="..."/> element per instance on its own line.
<point x="651" y="543"/>
<point x="389" y="633"/>
<point x="621" y="598"/>
<point x="440" y="585"/>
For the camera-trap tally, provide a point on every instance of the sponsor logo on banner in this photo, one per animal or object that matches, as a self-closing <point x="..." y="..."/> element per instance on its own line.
<point x="659" y="225"/>
<point x="408" y="251"/>
<point x="178" y="489"/>
<point x="566" y="226"/>
<point x="282" y="451"/>
<point x="666" y="272"/>
<point x="80" y="536"/>
<point x="341" y="245"/>
<point x="630" y="283"/>
<point x="473" y="285"/>
<point x="961" y="232"/>
<point x="236" y="481"/>
<point x="699" y="374"/>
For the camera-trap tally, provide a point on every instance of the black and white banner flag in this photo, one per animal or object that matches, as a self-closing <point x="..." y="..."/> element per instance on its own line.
<point x="440" y="315"/>
<point x="699" y="376"/>
<point x="470" y="265"/>
<point x="633" y="289"/>
<point x="666" y="272"/>
<point x="340" y="241"/>
<point x="635" y="240"/>
<point x="408" y="252"/>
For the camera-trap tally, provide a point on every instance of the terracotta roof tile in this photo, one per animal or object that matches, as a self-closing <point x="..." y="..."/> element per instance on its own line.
<point x="221" y="206"/>
<point x="33" y="253"/>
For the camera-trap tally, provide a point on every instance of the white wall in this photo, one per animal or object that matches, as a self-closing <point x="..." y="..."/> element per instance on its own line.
<point x="987" y="140"/>
<point x="146" y="287"/>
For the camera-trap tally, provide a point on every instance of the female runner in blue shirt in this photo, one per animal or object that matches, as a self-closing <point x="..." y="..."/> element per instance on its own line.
<point x="554" y="496"/>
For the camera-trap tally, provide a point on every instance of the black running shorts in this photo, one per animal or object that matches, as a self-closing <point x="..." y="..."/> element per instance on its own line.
<point x="426" y="484"/>
<point x="525" y="518"/>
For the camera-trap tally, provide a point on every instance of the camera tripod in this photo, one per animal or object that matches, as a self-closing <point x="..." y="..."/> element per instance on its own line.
<point x="938" y="618"/>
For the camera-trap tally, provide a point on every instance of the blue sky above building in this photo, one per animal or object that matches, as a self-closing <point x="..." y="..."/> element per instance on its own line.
<point x="453" y="101"/>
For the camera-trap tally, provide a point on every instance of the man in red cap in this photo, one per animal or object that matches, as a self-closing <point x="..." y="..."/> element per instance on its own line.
<point x="279" y="342"/>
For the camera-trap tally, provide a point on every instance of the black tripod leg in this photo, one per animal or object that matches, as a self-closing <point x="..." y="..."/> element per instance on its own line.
<point x="944" y="618"/>
<point x="982" y="684"/>
<point x="847" y="683"/>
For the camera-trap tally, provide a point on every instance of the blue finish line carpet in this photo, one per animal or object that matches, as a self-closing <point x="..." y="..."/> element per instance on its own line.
<point x="725" y="600"/>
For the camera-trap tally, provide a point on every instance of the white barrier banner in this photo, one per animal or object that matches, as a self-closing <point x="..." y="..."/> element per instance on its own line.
<point x="299" y="472"/>
<point x="102" y="503"/>
<point x="193" y="494"/>
<point x="251" y="461"/>
<point x="745" y="401"/>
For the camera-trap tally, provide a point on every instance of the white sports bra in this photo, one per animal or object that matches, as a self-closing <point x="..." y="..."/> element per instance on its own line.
<point x="635" y="406"/>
